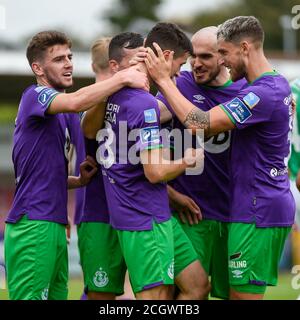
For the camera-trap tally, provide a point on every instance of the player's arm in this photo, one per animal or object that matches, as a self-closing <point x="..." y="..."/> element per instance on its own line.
<point x="93" y="120"/>
<point x="159" y="169"/>
<point x="89" y="96"/>
<point x="165" y="114"/>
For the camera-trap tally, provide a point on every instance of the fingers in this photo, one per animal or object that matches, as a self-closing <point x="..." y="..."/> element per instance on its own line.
<point x="189" y="216"/>
<point x="159" y="52"/>
<point x="192" y="206"/>
<point x="91" y="160"/>
<point x="181" y="216"/>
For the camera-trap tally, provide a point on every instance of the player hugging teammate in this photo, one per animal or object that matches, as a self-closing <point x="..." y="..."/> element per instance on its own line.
<point x="174" y="215"/>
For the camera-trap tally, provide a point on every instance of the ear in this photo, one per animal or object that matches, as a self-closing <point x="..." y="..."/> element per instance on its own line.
<point x="245" y="46"/>
<point x="167" y="54"/>
<point x="114" y="66"/>
<point x="37" y="69"/>
<point x="94" y="68"/>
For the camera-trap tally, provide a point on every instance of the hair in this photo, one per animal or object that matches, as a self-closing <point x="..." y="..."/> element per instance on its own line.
<point x="125" y="40"/>
<point x="238" y="28"/>
<point x="169" y="37"/>
<point x="99" y="51"/>
<point x="42" y="41"/>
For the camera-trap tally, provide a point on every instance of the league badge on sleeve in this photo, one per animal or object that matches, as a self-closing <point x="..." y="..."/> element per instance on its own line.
<point x="149" y="135"/>
<point x="46" y="95"/>
<point x="150" y="115"/>
<point x="251" y="100"/>
<point x="238" y="110"/>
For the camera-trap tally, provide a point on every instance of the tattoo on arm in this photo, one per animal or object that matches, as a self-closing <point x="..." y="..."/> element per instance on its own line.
<point x="198" y="119"/>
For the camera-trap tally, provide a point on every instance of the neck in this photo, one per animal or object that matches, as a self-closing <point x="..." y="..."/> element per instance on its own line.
<point x="101" y="76"/>
<point x="44" y="82"/>
<point x="257" y="65"/>
<point x="141" y="66"/>
<point x="220" y="79"/>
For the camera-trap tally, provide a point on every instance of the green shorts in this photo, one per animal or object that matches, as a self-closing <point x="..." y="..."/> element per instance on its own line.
<point x="149" y="256"/>
<point x="209" y="238"/>
<point x="101" y="258"/>
<point x="36" y="258"/>
<point x="184" y="252"/>
<point x="254" y="255"/>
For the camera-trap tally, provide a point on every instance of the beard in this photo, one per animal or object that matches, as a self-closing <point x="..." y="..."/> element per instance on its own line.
<point x="238" y="72"/>
<point x="58" y="84"/>
<point x="210" y="76"/>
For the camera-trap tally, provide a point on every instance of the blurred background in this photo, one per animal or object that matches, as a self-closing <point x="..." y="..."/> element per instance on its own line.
<point x="88" y="20"/>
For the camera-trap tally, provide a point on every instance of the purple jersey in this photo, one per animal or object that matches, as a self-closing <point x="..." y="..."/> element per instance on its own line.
<point x="90" y="203"/>
<point x="260" y="190"/>
<point x="133" y="202"/>
<point x="210" y="189"/>
<point x="40" y="150"/>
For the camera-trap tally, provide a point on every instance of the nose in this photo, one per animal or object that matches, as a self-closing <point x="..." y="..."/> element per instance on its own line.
<point x="197" y="63"/>
<point x="68" y="63"/>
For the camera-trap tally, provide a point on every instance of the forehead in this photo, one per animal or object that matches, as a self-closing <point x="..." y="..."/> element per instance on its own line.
<point x="57" y="50"/>
<point x="225" y="45"/>
<point x="201" y="45"/>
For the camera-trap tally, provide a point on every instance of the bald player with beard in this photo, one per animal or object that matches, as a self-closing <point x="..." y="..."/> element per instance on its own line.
<point x="207" y="85"/>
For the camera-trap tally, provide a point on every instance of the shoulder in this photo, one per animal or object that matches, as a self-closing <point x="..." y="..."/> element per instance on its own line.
<point x="185" y="77"/>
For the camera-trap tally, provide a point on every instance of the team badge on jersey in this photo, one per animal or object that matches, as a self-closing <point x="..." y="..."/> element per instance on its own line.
<point x="239" y="111"/>
<point x="150" y="134"/>
<point x="46" y="95"/>
<point x="251" y="100"/>
<point x="150" y="116"/>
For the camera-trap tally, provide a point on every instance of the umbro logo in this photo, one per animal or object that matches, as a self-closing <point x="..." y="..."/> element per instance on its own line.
<point x="198" y="98"/>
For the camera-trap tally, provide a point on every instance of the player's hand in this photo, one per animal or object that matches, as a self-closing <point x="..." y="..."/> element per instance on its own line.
<point x="68" y="231"/>
<point x="186" y="207"/>
<point x="159" y="67"/>
<point x="134" y="78"/>
<point x="294" y="104"/>
<point x="139" y="56"/>
<point x="88" y="169"/>
<point x="194" y="157"/>
<point x="298" y="181"/>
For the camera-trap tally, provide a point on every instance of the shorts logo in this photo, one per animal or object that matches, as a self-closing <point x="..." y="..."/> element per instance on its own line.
<point x="238" y="110"/>
<point x="150" y="116"/>
<point x="100" y="278"/>
<point x="45" y="293"/>
<point x="235" y="256"/>
<point x="171" y="270"/>
<point x="237" y="273"/>
<point x="251" y="100"/>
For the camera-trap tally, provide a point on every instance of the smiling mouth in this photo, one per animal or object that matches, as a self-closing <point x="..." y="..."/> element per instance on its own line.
<point x="68" y="75"/>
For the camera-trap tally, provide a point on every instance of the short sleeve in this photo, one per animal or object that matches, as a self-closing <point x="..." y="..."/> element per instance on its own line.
<point x="143" y="116"/>
<point x="252" y="105"/>
<point x="37" y="100"/>
<point x="160" y="97"/>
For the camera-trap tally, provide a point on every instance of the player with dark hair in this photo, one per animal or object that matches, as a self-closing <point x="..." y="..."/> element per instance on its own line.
<point x="35" y="241"/>
<point x="262" y="207"/>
